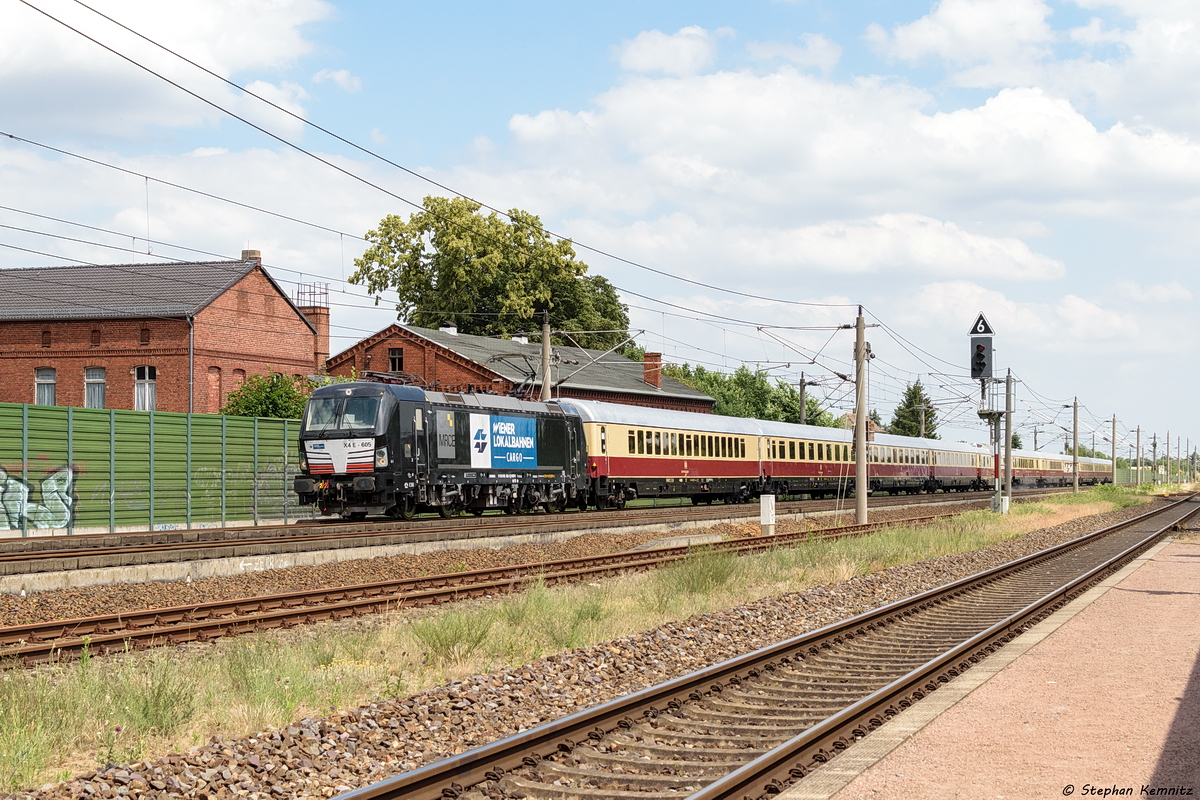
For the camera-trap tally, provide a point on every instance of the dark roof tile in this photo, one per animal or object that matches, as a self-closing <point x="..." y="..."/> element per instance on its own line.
<point x="115" y="291"/>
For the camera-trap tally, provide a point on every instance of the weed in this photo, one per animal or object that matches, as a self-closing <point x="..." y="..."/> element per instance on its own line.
<point x="453" y="636"/>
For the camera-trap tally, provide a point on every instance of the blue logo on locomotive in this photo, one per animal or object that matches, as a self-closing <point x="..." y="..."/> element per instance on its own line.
<point x="503" y="442"/>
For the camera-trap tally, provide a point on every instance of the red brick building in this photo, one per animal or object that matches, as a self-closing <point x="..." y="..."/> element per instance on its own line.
<point x="446" y="360"/>
<point x="165" y="337"/>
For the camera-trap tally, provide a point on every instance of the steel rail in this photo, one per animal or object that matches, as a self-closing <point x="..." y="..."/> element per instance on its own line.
<point x="447" y="778"/>
<point x="771" y="772"/>
<point x="38" y="642"/>
<point x="30" y="556"/>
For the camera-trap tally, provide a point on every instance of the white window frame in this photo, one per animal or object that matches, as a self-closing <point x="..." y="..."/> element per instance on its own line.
<point x="145" y="393"/>
<point x="45" y="382"/>
<point x="93" y="384"/>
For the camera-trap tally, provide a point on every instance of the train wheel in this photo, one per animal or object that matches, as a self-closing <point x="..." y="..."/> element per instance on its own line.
<point x="620" y="502"/>
<point x="405" y="509"/>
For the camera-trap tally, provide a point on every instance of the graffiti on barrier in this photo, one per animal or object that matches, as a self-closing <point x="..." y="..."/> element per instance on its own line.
<point x="57" y="506"/>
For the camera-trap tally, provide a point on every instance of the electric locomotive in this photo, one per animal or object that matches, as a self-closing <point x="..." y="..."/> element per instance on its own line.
<point x="386" y="448"/>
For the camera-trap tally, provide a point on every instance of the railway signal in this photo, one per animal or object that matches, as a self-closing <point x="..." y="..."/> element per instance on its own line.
<point x="981" y="357"/>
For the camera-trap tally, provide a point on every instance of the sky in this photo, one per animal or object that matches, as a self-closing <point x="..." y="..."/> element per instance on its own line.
<point x="746" y="173"/>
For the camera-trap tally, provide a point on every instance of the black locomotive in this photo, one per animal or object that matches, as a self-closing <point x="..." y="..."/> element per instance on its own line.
<point x="379" y="448"/>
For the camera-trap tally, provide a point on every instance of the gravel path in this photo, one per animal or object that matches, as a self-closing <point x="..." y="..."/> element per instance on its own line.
<point x="88" y="601"/>
<point x="319" y="757"/>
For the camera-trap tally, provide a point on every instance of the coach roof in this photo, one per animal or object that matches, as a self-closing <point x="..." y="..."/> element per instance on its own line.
<point x="120" y="291"/>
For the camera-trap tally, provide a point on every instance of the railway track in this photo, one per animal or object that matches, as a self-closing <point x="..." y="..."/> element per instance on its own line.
<point x="750" y="726"/>
<point x="46" y="554"/>
<point x="44" y="641"/>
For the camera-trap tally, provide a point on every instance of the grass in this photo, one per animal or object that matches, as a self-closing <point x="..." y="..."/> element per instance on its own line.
<point x="61" y="719"/>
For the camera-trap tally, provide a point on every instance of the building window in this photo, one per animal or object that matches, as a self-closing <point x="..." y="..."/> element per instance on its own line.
<point x="43" y="384"/>
<point x="144" y="379"/>
<point x="144" y="337"/>
<point x="396" y="359"/>
<point x="46" y="340"/>
<point x="96" y="338"/>
<point x="93" y="387"/>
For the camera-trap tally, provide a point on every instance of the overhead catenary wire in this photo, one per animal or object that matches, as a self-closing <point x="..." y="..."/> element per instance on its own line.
<point x="363" y="180"/>
<point x="373" y="154"/>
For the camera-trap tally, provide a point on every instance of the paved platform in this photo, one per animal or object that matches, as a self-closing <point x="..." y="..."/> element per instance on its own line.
<point x="1102" y="699"/>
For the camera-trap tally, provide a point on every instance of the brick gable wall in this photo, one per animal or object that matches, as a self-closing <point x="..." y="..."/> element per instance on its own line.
<point x="250" y="329"/>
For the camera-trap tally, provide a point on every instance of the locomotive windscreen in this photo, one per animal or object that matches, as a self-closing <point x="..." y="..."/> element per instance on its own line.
<point x="353" y="414"/>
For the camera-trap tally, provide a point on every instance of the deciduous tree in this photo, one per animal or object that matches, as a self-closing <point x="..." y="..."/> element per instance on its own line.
<point x="489" y="275"/>
<point x="746" y="393"/>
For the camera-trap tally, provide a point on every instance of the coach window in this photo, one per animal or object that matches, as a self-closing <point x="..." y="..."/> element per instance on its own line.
<point x="144" y="380"/>
<point x="641" y="442"/>
<point x="93" y="387"/>
<point x="632" y="443"/>
<point x="603" y="438"/>
<point x="658" y="443"/>
<point x="820" y="451"/>
<point x="792" y="451"/>
<point x="43" y="385"/>
<point x="742" y="448"/>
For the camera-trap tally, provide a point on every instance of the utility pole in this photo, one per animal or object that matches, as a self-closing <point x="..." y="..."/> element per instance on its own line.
<point x="1139" y="456"/>
<point x="1154" y="461"/>
<point x="1114" y="449"/>
<point x="1167" y="453"/>
<point x="1008" y="434"/>
<point x="1075" y="447"/>
<point x="1035" y="447"/>
<point x="860" y="419"/>
<point x="546" y="382"/>
<point x="921" y="408"/>
<point x="803" y="400"/>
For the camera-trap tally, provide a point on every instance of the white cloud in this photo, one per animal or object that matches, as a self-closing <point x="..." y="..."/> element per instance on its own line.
<point x="378" y="136"/>
<point x="1170" y="292"/>
<point x="732" y="146"/>
<point x="685" y="52"/>
<point x="341" y="77"/>
<point x="1069" y="322"/>
<point x="889" y="245"/>
<point x="964" y="32"/>
<point x="40" y="59"/>
<point x="813" y="51"/>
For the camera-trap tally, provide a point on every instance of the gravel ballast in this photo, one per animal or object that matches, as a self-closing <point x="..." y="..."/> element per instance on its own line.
<point x="319" y="757"/>
<point x="62" y="604"/>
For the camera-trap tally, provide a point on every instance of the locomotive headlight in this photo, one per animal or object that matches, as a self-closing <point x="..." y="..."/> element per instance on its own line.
<point x="381" y="459"/>
<point x="304" y="462"/>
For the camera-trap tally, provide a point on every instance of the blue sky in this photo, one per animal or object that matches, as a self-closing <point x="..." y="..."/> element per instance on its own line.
<point x="1033" y="160"/>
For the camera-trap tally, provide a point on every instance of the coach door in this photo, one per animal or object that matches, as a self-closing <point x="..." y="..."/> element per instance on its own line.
<point x="420" y="449"/>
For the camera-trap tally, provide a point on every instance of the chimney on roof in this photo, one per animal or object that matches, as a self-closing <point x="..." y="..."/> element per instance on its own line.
<point x="652" y="369"/>
<point x="252" y="255"/>
<point x="313" y="302"/>
<point x="450" y="328"/>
